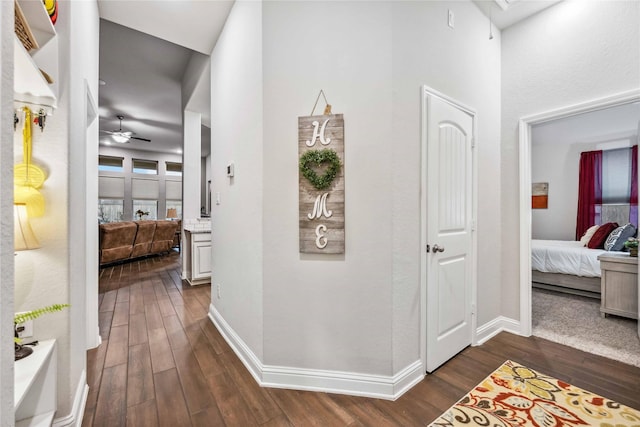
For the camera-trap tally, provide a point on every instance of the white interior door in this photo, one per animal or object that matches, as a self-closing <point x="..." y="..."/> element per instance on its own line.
<point x="449" y="200"/>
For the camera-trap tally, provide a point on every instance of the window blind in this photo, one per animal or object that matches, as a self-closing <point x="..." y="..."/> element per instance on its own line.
<point x="111" y="187"/>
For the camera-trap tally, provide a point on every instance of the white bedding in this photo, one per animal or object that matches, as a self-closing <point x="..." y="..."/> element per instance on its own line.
<point x="566" y="257"/>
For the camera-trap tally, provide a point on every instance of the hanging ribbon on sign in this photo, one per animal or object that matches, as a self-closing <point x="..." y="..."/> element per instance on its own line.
<point x="327" y="108"/>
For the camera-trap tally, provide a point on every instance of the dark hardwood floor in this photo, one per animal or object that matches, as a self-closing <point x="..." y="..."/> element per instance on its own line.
<point x="163" y="363"/>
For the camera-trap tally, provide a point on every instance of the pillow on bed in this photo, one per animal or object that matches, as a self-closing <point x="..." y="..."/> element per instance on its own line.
<point x="588" y="235"/>
<point x="601" y="234"/>
<point x="615" y="241"/>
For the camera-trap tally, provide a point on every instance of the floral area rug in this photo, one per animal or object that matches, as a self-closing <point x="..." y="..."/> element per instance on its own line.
<point x="515" y="395"/>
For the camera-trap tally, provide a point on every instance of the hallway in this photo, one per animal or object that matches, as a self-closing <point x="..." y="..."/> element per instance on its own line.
<point x="163" y="363"/>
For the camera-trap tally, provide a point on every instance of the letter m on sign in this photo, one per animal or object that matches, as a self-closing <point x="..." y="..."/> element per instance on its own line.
<point x="321" y="212"/>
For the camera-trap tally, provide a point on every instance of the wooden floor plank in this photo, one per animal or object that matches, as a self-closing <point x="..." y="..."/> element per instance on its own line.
<point x="194" y="384"/>
<point x="165" y="306"/>
<point x="87" y="419"/>
<point x="148" y="293"/>
<point x="95" y="365"/>
<point x="109" y="301"/>
<point x="259" y="400"/>
<point x="364" y="410"/>
<point x="111" y="408"/>
<point x="143" y="415"/>
<point x="104" y="324"/>
<point x="153" y="316"/>
<point x="139" y="375"/>
<point x="184" y="316"/>
<point x="216" y="340"/>
<point x="279" y="421"/>
<point x="136" y="300"/>
<point x="233" y="408"/>
<point x="118" y="349"/>
<point x="175" y="333"/>
<point x="172" y="408"/>
<point x="137" y="329"/>
<point x="161" y="356"/>
<point x="121" y="314"/>
<point x="208" y="361"/>
<point x="207" y="418"/>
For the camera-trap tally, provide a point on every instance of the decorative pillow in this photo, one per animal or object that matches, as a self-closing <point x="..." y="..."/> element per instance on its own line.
<point x="588" y="235"/>
<point x="601" y="234"/>
<point x="615" y="241"/>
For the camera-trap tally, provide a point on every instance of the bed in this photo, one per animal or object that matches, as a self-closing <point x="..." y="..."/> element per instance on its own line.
<point x="565" y="266"/>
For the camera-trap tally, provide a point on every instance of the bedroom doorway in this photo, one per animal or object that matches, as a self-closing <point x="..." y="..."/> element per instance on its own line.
<point x="525" y="167"/>
<point x="448" y="269"/>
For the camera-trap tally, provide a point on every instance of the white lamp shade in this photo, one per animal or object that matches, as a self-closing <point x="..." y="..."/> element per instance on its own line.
<point x="24" y="238"/>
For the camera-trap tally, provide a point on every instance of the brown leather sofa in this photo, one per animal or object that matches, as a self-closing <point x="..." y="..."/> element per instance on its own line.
<point x="133" y="239"/>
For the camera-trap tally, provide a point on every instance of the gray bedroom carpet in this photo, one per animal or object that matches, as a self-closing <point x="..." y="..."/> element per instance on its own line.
<point x="575" y="321"/>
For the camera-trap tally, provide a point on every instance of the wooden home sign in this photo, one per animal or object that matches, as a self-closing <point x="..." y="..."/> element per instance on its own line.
<point x="321" y="183"/>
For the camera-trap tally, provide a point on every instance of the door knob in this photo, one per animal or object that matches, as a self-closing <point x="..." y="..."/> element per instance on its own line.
<point x="437" y="248"/>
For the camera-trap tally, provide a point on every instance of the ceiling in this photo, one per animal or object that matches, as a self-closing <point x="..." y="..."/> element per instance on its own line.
<point x="145" y="48"/>
<point x="505" y="13"/>
<point x="609" y="125"/>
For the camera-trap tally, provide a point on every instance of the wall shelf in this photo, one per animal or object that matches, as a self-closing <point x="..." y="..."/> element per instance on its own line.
<point x="39" y="22"/>
<point x="29" y="85"/>
<point x="35" y="386"/>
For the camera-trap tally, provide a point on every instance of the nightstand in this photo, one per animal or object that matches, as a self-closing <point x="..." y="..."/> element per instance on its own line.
<point x="619" y="285"/>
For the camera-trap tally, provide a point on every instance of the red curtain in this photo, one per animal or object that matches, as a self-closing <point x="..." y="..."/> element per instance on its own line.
<point x="633" y="200"/>
<point x="589" y="190"/>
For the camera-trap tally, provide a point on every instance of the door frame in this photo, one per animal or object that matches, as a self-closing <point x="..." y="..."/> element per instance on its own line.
<point x="425" y="93"/>
<point x="525" y="124"/>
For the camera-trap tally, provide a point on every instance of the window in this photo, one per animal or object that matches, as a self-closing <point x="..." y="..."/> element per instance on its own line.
<point x="616" y="176"/>
<point x="177" y="205"/>
<point x="616" y="187"/>
<point x="110" y="164"/>
<point x="174" y="169"/>
<point x="110" y="210"/>
<point x="150" y="206"/>
<point x="147" y="167"/>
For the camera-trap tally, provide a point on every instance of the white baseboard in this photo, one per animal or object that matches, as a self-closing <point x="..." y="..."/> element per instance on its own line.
<point x="95" y="343"/>
<point x="242" y="350"/>
<point x="77" y="410"/>
<point x="494" y="327"/>
<point x="355" y="384"/>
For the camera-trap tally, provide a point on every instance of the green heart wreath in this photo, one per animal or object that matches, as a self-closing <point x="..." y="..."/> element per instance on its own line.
<point x="317" y="158"/>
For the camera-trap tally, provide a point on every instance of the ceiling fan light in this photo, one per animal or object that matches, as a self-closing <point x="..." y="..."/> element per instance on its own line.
<point x="120" y="138"/>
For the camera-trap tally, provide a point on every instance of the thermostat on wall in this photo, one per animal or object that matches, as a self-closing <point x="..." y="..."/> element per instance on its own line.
<point x="230" y="170"/>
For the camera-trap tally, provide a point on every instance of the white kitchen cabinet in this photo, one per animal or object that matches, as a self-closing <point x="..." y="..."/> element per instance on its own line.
<point x="198" y="257"/>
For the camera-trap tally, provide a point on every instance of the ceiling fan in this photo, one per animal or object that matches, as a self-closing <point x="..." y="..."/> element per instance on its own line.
<point x="123" y="136"/>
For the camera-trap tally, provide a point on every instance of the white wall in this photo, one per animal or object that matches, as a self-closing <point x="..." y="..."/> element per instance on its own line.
<point x="559" y="165"/>
<point x="6" y="214"/>
<point x="207" y="178"/>
<point x="192" y="75"/>
<point x="321" y="311"/>
<point x="572" y="52"/>
<point x="191" y="170"/>
<point x="357" y="312"/>
<point x="82" y="180"/>
<point x="236" y="136"/>
<point x="464" y="64"/>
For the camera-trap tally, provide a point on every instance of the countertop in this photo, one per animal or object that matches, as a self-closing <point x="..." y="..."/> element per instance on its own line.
<point x="194" y="230"/>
